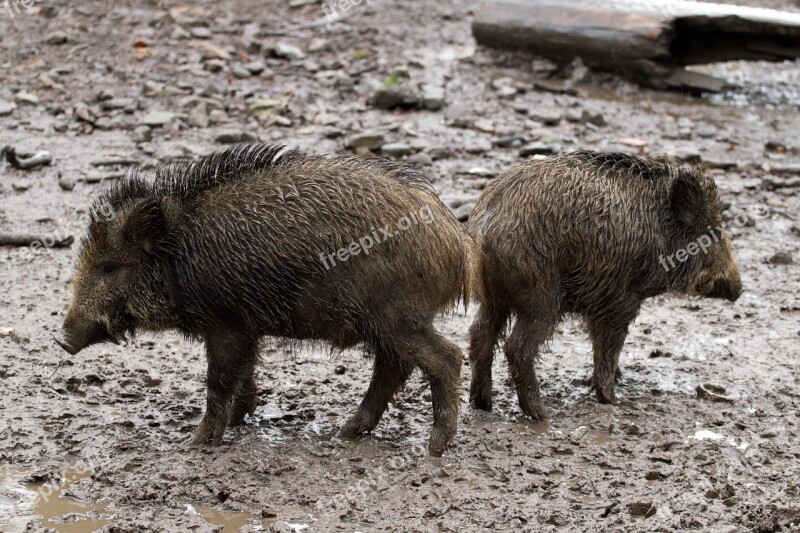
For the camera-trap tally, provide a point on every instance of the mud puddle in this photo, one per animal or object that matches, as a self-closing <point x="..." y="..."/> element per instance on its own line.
<point x="21" y="502"/>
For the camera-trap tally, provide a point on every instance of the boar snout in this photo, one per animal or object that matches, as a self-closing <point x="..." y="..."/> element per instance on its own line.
<point x="78" y="333"/>
<point x="723" y="288"/>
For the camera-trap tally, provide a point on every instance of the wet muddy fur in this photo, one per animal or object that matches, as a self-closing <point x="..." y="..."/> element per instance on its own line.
<point x="231" y="248"/>
<point x="586" y="234"/>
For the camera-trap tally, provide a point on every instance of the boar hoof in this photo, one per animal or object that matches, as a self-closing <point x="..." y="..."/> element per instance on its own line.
<point x="589" y="381"/>
<point x="210" y="432"/>
<point x="441" y="438"/>
<point x="481" y="401"/>
<point x="606" y="395"/>
<point x="534" y="410"/>
<point x="358" y="424"/>
<point x="241" y="408"/>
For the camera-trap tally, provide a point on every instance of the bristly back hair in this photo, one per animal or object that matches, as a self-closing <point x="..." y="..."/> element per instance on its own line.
<point x="187" y="179"/>
<point x="629" y="166"/>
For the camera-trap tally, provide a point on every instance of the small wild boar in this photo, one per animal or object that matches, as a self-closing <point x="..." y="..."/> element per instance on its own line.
<point x="260" y="241"/>
<point x="592" y="234"/>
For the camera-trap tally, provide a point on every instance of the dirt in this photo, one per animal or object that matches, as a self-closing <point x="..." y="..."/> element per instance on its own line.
<point x="97" y="441"/>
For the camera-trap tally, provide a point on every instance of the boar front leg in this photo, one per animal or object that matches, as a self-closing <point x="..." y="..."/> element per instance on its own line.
<point x="388" y="376"/>
<point x="231" y="355"/>
<point x="522" y="351"/>
<point x="608" y="338"/>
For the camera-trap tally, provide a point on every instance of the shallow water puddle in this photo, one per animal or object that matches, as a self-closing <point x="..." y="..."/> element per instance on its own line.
<point x="21" y="503"/>
<point x="230" y="521"/>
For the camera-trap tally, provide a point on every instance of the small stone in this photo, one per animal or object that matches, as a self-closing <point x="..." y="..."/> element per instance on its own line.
<point x="507" y="92"/>
<point x="279" y="120"/>
<point x="781" y="258"/>
<point x="255" y="67"/>
<point x="240" y="73"/>
<point x="486" y="126"/>
<point x="395" y="150"/>
<point x="365" y="140"/>
<point x="420" y="159"/>
<point x="218" y="116"/>
<point x="327" y="119"/>
<point x="157" y="119"/>
<point x="6" y="332"/>
<point x="458" y="115"/>
<point x="688" y="154"/>
<point x="179" y="34"/>
<point x="6" y="108"/>
<point x="24" y="98"/>
<point x="478" y="146"/>
<point x="234" y="136"/>
<point x="198" y="116"/>
<point x="142" y="134"/>
<point x="395" y="94"/>
<point x="548" y="118"/>
<point x="262" y="106"/>
<point x="56" y="38"/>
<point x="214" y="65"/>
<point x="538" y="148"/>
<point x="463" y="211"/>
<point x="643" y="508"/>
<point x="66" y="184"/>
<point x="200" y="32"/>
<point x="433" y="97"/>
<point x="84" y="114"/>
<point x="340" y="370"/>
<point x="714" y="393"/>
<point x="288" y="51"/>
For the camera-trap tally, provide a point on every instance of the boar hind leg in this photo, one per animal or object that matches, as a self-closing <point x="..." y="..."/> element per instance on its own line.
<point x="608" y="337"/>
<point x="389" y="374"/>
<point x="230" y="354"/>
<point x="483" y="335"/>
<point x="522" y="351"/>
<point x="440" y="361"/>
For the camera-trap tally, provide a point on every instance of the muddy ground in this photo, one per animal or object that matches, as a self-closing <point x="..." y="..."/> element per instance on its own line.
<point x="96" y="440"/>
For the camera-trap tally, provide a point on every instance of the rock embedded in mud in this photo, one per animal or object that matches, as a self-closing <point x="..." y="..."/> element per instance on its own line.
<point x="234" y="136"/>
<point x="714" y="393"/>
<point x="538" y="148"/>
<point x="643" y="508"/>
<point x="395" y="150"/>
<point x="781" y="258"/>
<point x="395" y="93"/>
<point x="368" y="140"/>
<point x="157" y="119"/>
<point x="6" y="108"/>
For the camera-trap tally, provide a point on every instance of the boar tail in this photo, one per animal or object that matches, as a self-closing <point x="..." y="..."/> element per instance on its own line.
<point x="473" y="271"/>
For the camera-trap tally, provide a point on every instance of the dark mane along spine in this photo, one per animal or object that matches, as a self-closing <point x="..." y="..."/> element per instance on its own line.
<point x="630" y="166"/>
<point x="187" y="179"/>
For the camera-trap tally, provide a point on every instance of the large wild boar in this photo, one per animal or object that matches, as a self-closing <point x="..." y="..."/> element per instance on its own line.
<point x="259" y="241"/>
<point x="592" y="234"/>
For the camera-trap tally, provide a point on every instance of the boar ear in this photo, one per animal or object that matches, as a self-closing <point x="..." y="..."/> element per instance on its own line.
<point x="687" y="201"/>
<point x="144" y="226"/>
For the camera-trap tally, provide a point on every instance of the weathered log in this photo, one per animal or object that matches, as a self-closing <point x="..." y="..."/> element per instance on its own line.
<point x="26" y="239"/>
<point x="650" y="39"/>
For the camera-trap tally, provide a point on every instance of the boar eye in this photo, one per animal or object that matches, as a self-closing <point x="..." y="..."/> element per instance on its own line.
<point x="109" y="269"/>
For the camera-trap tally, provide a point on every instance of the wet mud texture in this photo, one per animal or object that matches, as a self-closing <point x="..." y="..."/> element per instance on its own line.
<point x="665" y="458"/>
